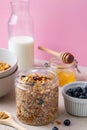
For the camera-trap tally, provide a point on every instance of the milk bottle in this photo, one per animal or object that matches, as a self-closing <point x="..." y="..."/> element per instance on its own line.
<point x="21" y="39"/>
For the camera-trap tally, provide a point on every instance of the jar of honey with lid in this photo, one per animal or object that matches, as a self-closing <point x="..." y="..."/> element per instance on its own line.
<point x="66" y="72"/>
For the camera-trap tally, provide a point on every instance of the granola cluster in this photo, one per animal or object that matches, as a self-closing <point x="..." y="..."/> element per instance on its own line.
<point x="3" y="115"/>
<point x="4" y="66"/>
<point x="37" y="99"/>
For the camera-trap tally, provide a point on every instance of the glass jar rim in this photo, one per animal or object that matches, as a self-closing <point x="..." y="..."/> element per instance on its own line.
<point x="37" y="70"/>
<point x="55" y="63"/>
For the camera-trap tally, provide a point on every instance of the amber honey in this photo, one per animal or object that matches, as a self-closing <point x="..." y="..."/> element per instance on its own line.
<point x="66" y="72"/>
<point x="65" y="77"/>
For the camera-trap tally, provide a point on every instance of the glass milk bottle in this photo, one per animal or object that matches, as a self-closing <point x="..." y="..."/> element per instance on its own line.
<point x="20" y="34"/>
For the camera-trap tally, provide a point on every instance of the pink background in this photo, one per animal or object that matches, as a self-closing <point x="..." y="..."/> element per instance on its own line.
<point x="60" y="25"/>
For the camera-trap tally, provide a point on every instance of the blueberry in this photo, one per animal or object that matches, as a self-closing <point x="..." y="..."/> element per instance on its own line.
<point x="86" y="96"/>
<point x="77" y="94"/>
<point x="82" y="96"/>
<point x="74" y="90"/>
<point x="86" y="87"/>
<point x="84" y="91"/>
<point x="55" y="128"/>
<point x="67" y="122"/>
<point x="40" y="101"/>
<point x="69" y="92"/>
<point x="79" y="89"/>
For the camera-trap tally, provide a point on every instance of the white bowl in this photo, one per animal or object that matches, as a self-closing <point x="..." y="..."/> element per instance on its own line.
<point x="10" y="58"/>
<point x="6" y="83"/>
<point x="75" y="106"/>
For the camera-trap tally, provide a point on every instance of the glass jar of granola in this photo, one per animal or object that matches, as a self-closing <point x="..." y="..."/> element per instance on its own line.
<point x="37" y="96"/>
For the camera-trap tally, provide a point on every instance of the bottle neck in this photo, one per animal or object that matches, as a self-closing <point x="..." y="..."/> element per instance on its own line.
<point x="20" y="7"/>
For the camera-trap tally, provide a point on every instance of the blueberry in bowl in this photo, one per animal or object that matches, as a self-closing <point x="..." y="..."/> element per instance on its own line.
<point x="78" y="92"/>
<point x="75" y="98"/>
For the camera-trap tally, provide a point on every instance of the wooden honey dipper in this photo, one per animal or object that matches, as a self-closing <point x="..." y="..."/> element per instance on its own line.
<point x="66" y="57"/>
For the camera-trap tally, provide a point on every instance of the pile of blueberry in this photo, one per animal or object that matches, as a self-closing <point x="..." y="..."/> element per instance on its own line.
<point x="78" y="92"/>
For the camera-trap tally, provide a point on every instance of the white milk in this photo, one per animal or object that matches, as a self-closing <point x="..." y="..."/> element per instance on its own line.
<point x="23" y="47"/>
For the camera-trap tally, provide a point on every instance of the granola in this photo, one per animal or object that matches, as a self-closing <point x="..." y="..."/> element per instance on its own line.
<point x="37" y="99"/>
<point x="4" y="66"/>
<point x="3" y="115"/>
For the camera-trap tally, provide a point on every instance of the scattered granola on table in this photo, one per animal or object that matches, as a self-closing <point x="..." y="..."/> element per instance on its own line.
<point x="4" y="66"/>
<point x="37" y="97"/>
<point x="58" y="122"/>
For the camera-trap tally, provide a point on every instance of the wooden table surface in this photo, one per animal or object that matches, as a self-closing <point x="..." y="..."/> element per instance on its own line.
<point x="7" y="103"/>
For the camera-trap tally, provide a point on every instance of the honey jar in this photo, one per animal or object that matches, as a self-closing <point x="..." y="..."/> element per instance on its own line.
<point x="66" y="72"/>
